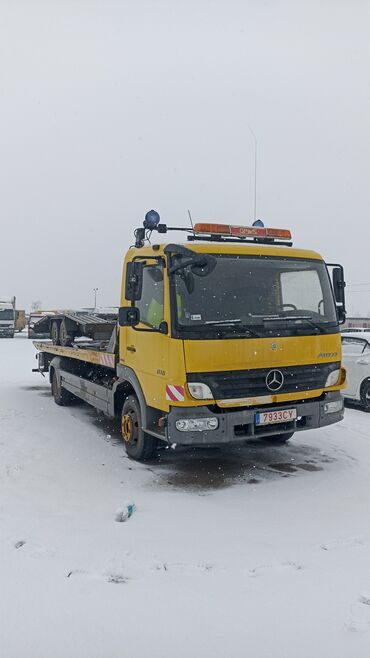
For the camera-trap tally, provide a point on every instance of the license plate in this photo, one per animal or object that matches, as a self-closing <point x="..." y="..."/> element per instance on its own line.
<point x="280" y="416"/>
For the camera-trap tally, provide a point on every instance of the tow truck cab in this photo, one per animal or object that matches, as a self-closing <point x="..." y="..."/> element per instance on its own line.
<point x="234" y="335"/>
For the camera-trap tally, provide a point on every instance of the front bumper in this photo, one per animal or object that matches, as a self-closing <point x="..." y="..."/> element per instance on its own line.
<point x="237" y="426"/>
<point x="6" y="332"/>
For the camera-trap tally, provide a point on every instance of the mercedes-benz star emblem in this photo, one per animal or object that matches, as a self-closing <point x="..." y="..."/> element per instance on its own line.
<point x="274" y="380"/>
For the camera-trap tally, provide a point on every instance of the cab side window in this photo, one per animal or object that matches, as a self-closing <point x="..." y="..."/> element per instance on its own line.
<point x="151" y="304"/>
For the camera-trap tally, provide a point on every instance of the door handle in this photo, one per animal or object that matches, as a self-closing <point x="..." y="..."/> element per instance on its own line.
<point x="131" y="348"/>
<point x="363" y="362"/>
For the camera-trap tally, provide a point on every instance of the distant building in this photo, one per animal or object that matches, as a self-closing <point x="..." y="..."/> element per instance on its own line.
<point x="364" y="323"/>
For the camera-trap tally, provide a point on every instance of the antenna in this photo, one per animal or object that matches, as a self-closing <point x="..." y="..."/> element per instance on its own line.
<point x="191" y="221"/>
<point x="255" y="173"/>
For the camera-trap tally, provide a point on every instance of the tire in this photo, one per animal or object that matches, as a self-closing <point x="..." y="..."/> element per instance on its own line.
<point x="55" y="333"/>
<point x="65" y="338"/>
<point x="365" y="395"/>
<point x="61" y="396"/>
<point x="138" y="444"/>
<point x="277" y="439"/>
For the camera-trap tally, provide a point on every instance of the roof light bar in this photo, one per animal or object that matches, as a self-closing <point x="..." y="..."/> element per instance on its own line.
<point x="242" y="231"/>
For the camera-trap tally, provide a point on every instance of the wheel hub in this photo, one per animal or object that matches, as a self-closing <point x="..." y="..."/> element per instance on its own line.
<point x="127" y="427"/>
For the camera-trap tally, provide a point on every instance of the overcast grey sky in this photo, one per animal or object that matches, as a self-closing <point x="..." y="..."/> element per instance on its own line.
<point x="109" y="108"/>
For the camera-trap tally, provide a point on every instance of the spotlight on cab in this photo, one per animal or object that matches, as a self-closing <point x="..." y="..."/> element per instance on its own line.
<point x="151" y="220"/>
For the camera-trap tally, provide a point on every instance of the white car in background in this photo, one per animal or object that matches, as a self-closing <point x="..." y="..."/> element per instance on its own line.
<point x="356" y="359"/>
<point x="355" y="330"/>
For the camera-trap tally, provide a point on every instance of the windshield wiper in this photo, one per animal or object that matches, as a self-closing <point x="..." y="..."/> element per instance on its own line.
<point x="232" y="321"/>
<point x="307" y="318"/>
<point x="226" y="324"/>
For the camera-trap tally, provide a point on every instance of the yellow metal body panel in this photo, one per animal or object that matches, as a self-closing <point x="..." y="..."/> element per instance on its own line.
<point x="246" y="353"/>
<point x="160" y="360"/>
<point x="86" y="355"/>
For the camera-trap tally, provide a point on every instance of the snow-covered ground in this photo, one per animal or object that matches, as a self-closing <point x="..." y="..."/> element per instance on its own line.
<point x="260" y="552"/>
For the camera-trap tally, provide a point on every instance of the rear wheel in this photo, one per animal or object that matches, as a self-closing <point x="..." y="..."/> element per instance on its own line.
<point x="60" y="394"/>
<point x="365" y="395"/>
<point x="55" y="333"/>
<point x="139" y="445"/>
<point x="277" y="439"/>
<point x="65" y="338"/>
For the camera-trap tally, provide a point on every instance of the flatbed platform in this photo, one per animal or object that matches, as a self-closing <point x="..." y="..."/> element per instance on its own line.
<point x="80" y="351"/>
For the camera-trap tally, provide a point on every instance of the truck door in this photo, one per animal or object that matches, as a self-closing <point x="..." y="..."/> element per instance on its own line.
<point x="146" y="345"/>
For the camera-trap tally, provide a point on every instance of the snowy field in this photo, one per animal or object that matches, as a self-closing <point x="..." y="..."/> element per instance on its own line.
<point x="256" y="552"/>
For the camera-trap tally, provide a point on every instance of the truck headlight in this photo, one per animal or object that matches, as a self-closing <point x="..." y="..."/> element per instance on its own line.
<point x="196" y="424"/>
<point x="200" y="391"/>
<point x="333" y="378"/>
<point x="333" y="407"/>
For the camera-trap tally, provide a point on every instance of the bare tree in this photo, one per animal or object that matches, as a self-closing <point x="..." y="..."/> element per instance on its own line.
<point x="35" y="306"/>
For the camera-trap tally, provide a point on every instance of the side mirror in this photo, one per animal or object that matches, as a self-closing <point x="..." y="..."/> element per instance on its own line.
<point x="339" y="285"/>
<point x="134" y="281"/>
<point x="128" y="316"/>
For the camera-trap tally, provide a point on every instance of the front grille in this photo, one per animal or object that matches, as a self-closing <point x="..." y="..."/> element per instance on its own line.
<point x="233" y="384"/>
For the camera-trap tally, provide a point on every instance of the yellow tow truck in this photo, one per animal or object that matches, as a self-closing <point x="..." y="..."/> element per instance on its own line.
<point x="232" y="335"/>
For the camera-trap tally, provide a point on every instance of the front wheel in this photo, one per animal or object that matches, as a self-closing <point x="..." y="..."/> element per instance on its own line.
<point x="365" y="395"/>
<point x="139" y="445"/>
<point x="61" y="395"/>
<point x="277" y="439"/>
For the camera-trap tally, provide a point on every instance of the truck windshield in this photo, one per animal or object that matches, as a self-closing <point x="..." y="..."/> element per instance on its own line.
<point x="255" y="296"/>
<point x="6" y="314"/>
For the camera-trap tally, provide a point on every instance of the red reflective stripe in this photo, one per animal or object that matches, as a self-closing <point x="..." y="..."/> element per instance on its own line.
<point x="175" y="393"/>
<point x="181" y="391"/>
<point x="170" y="395"/>
<point x="107" y="360"/>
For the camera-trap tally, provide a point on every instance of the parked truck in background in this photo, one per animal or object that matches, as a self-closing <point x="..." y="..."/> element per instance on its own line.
<point x="7" y="317"/>
<point x="232" y="336"/>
